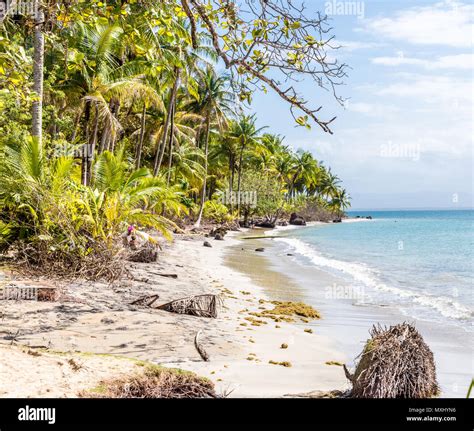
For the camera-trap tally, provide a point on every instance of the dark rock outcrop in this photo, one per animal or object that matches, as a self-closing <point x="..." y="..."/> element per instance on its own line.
<point x="265" y="224"/>
<point x="207" y="244"/>
<point x="146" y="254"/>
<point x="218" y="231"/>
<point x="297" y="220"/>
<point x="260" y="249"/>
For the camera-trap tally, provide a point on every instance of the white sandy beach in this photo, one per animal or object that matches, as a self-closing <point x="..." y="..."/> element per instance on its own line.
<point x="96" y="318"/>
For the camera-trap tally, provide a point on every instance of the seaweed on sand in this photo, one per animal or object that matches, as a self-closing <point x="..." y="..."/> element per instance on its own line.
<point x="285" y="310"/>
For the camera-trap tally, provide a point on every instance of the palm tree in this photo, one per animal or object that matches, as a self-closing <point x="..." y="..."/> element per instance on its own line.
<point x="304" y="172"/>
<point x="93" y="60"/>
<point x="120" y="196"/>
<point x="182" y="63"/>
<point x="328" y="183"/>
<point x="215" y="104"/>
<point x="246" y="134"/>
<point x="188" y="166"/>
<point x="160" y="150"/>
<point x="38" y="72"/>
<point x="97" y="80"/>
<point x="340" y="202"/>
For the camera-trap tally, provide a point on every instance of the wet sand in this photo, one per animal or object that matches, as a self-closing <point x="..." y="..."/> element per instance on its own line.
<point x="347" y="322"/>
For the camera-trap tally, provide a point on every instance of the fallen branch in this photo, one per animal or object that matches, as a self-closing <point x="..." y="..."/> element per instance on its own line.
<point x="166" y="275"/>
<point x="200" y="348"/>
<point x="147" y="300"/>
<point x="262" y="237"/>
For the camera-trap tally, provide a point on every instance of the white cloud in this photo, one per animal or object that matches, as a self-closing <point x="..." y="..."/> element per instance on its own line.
<point x="446" y="23"/>
<point x="372" y="109"/>
<point x="347" y="45"/>
<point x="459" y="61"/>
<point x="455" y="94"/>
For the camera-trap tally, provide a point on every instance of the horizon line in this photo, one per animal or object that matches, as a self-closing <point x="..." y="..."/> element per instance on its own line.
<point x="413" y="209"/>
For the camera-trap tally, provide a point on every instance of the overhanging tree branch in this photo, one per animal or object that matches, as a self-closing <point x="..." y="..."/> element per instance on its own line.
<point x="264" y="37"/>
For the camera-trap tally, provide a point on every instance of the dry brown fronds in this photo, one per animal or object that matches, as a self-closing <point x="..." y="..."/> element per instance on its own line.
<point x="156" y="382"/>
<point x="101" y="262"/>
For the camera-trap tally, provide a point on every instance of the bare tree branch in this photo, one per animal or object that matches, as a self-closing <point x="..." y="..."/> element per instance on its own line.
<point x="263" y="36"/>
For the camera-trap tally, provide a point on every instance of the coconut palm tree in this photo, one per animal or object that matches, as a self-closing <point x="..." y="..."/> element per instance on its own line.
<point x="99" y="85"/>
<point x="303" y="173"/>
<point x="339" y="202"/>
<point x="188" y="166"/>
<point x="38" y="72"/>
<point x="215" y="104"/>
<point x="328" y="183"/>
<point x="246" y="134"/>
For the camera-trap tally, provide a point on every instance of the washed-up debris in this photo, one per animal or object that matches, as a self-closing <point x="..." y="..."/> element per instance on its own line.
<point x="320" y="394"/>
<point x="200" y="348"/>
<point x="163" y="274"/>
<point x="199" y="305"/>
<point x="395" y="363"/>
<point x="156" y="382"/>
<point x="146" y="301"/>
<point x="146" y="254"/>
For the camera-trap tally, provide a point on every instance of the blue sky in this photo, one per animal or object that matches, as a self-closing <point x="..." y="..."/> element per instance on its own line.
<point x="404" y="138"/>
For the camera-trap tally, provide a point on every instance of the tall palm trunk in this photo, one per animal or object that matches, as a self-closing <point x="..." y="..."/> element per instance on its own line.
<point x="231" y="180"/>
<point x="107" y="129"/>
<point x="203" y="191"/>
<point x="142" y="136"/>
<point x="170" y="158"/>
<point x="239" y="177"/>
<point x="38" y="71"/>
<point x="114" y="138"/>
<point x="85" y="147"/>
<point x="160" y="151"/>
<point x="92" y="145"/>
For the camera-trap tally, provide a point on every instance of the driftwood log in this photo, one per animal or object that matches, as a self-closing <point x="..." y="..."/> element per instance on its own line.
<point x="162" y="274"/>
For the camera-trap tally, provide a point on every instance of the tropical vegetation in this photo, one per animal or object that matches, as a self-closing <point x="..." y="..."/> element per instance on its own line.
<point x="120" y="113"/>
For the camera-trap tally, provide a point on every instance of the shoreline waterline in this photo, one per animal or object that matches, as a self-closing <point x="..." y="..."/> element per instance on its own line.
<point x="348" y="322"/>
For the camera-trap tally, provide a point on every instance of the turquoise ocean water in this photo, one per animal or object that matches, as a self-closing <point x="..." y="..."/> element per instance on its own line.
<point x="420" y="262"/>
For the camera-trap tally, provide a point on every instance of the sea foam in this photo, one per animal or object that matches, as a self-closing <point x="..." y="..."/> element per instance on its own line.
<point x="368" y="279"/>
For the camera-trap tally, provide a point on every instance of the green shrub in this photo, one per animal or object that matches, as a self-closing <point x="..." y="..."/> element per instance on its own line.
<point x="217" y="212"/>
